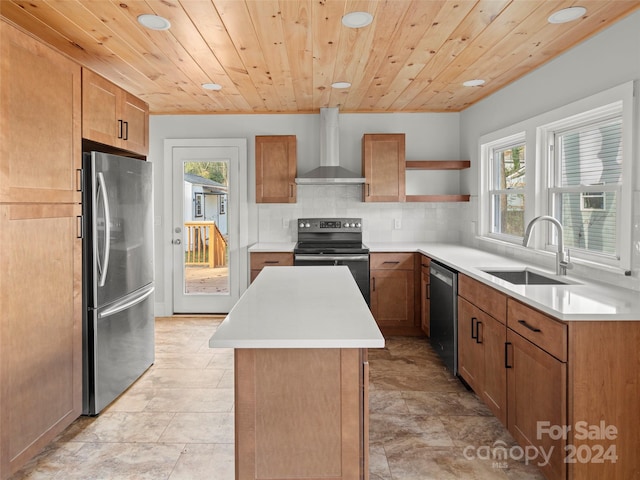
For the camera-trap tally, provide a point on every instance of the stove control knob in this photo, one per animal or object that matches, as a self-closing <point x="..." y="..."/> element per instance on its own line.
<point x="346" y="225"/>
<point x="307" y="225"/>
<point x="358" y="225"/>
<point x="301" y="225"/>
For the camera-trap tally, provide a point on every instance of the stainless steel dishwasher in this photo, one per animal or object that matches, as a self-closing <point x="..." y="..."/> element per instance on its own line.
<point x="444" y="314"/>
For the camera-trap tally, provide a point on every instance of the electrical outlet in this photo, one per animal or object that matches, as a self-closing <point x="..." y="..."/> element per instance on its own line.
<point x="285" y="223"/>
<point x="397" y="223"/>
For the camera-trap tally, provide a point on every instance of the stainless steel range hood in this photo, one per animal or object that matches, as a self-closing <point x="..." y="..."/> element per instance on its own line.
<point x="329" y="172"/>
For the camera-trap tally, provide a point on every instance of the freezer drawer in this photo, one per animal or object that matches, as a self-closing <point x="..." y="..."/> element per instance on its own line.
<point x="119" y="345"/>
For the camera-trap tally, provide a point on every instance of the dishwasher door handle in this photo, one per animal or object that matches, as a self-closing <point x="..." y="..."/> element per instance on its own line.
<point x="442" y="277"/>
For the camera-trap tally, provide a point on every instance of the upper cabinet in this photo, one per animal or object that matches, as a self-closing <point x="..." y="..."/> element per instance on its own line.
<point x="276" y="169"/>
<point x="40" y="121"/>
<point x="112" y="116"/>
<point x="383" y="165"/>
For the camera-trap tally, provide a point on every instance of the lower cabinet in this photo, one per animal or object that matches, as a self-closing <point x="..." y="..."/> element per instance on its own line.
<point x="394" y="303"/>
<point x="481" y="356"/>
<point x="259" y="260"/>
<point x="425" y="294"/>
<point x="41" y="328"/>
<point x="537" y="386"/>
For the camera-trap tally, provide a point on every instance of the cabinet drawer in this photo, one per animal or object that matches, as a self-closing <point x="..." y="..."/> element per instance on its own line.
<point x="545" y="332"/>
<point x="391" y="261"/>
<point x="260" y="260"/>
<point x="491" y="301"/>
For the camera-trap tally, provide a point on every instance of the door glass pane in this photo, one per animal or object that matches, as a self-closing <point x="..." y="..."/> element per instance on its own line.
<point x="205" y="232"/>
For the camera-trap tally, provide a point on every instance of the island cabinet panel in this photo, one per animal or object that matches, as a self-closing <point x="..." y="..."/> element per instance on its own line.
<point x="40" y="122"/>
<point x="41" y="328"/>
<point x="383" y="166"/>
<point x="395" y="303"/>
<point x="259" y="260"/>
<point x="112" y="116"/>
<point x="300" y="413"/>
<point x="276" y="167"/>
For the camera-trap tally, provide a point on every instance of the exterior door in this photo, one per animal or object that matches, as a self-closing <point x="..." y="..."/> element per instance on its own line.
<point x="206" y="228"/>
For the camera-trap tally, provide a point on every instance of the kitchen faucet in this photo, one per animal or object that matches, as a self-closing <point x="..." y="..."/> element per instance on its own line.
<point x="562" y="260"/>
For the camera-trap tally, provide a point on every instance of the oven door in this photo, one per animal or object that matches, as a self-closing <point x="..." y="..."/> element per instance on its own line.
<point x="358" y="265"/>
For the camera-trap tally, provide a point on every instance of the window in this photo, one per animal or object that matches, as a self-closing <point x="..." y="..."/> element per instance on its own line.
<point x="585" y="182"/>
<point x="507" y="162"/>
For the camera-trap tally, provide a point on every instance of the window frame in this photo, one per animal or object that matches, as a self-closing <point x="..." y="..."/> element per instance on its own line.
<point x="547" y="137"/>
<point x="489" y="149"/>
<point x="538" y="200"/>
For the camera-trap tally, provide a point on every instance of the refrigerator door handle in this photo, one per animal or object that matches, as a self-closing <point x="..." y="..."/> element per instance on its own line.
<point x="127" y="302"/>
<point x="104" y="266"/>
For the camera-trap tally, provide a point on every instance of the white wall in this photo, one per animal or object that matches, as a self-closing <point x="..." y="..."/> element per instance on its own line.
<point x="428" y="136"/>
<point x="609" y="59"/>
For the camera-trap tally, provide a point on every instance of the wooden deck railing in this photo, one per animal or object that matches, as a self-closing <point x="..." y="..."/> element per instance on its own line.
<point x="205" y="245"/>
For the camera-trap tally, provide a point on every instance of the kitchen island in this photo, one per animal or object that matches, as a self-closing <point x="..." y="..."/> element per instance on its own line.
<point x="301" y="336"/>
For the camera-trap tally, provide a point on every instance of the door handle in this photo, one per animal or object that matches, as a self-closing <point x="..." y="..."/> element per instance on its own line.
<point x="474" y="335"/>
<point x="177" y="241"/>
<point x="478" y="325"/>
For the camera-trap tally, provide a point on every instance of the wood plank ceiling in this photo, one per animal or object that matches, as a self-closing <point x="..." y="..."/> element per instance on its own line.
<point x="283" y="55"/>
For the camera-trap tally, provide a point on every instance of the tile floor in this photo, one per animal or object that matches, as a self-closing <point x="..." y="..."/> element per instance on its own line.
<point x="176" y="421"/>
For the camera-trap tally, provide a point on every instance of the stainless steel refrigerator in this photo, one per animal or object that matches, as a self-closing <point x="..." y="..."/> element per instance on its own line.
<point x="118" y="324"/>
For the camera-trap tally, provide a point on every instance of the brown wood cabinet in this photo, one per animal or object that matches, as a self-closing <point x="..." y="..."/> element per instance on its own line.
<point x="481" y="343"/>
<point x="394" y="302"/>
<point x="41" y="327"/>
<point x="383" y="166"/>
<point x="276" y="167"/>
<point x="40" y="248"/>
<point x="113" y="116"/>
<point x="40" y="142"/>
<point x="301" y="413"/>
<point x="259" y="260"/>
<point x="425" y="294"/>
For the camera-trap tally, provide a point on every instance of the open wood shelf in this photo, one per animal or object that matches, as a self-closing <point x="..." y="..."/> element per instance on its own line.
<point x="437" y="164"/>
<point x="437" y="198"/>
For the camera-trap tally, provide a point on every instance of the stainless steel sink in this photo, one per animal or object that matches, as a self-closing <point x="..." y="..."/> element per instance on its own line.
<point x="526" y="277"/>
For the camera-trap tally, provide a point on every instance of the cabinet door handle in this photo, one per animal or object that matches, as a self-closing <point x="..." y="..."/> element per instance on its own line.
<point x="474" y="335"/>
<point x="79" y="227"/>
<point x="506" y="355"/>
<point x="373" y="281"/>
<point x="368" y="190"/>
<point x="428" y="292"/>
<point x="478" y="338"/>
<point x="126" y="131"/>
<point x="290" y="190"/>
<point x="396" y="262"/>
<point x="120" y="128"/>
<point x="530" y="327"/>
<point x="272" y="261"/>
<point x="79" y="180"/>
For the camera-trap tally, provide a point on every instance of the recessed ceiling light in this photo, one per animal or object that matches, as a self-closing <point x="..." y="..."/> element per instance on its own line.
<point x="567" y="15"/>
<point x="211" y="86"/>
<point x="340" y="84"/>
<point x="357" y="19"/>
<point x="154" y="22"/>
<point x="473" y="83"/>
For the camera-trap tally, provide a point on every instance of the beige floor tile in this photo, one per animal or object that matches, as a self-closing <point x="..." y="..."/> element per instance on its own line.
<point x="200" y="428"/>
<point x="115" y="427"/>
<point x="205" y="462"/>
<point x="191" y="400"/>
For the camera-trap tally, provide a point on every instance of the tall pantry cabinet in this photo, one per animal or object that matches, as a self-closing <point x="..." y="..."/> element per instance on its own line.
<point x="40" y="246"/>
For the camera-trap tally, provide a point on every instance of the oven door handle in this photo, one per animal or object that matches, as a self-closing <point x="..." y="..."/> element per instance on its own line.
<point x="333" y="258"/>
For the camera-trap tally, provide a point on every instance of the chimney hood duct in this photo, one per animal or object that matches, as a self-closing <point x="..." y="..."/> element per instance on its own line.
<point x="329" y="172"/>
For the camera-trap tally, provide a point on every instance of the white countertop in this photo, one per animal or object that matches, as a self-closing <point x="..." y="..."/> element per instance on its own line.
<point x="300" y="307"/>
<point x="580" y="300"/>
<point x="272" y="247"/>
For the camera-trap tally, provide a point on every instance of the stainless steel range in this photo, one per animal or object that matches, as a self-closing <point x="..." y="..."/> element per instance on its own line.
<point x="334" y="241"/>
